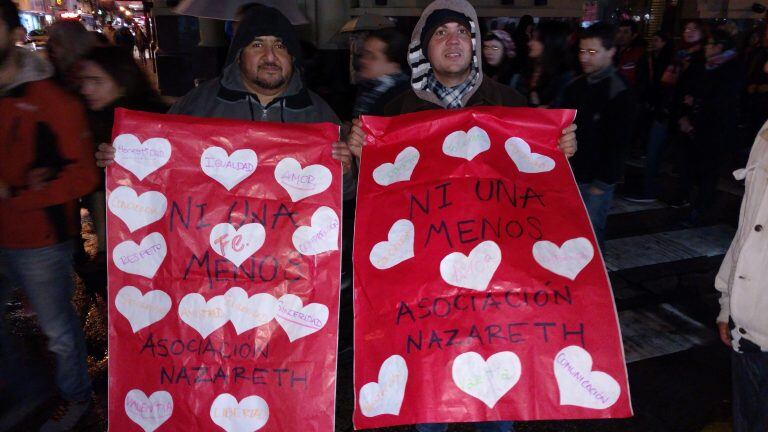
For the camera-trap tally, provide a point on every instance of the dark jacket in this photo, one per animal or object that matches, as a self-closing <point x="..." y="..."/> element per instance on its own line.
<point x="716" y="101"/>
<point x="490" y="93"/>
<point x="606" y="115"/>
<point x="228" y="98"/>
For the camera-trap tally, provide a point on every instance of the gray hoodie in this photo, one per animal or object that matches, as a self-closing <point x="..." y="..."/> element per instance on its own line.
<point x="419" y="63"/>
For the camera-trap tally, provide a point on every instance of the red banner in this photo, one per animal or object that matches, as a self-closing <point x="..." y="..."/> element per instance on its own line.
<point x="223" y="242"/>
<point x="480" y="293"/>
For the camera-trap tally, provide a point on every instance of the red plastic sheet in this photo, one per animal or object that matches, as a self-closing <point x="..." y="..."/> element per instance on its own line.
<point x="480" y="293"/>
<point x="223" y="244"/>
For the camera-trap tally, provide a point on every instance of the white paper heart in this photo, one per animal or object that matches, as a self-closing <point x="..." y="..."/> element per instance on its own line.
<point x="321" y="236"/>
<point x="137" y="211"/>
<point x="148" y="412"/>
<point x="249" y="312"/>
<point x="301" y="183"/>
<point x="385" y="396"/>
<point x="144" y="259"/>
<point x="397" y="248"/>
<point x="473" y="271"/>
<point x="487" y="380"/>
<point x="142" y="159"/>
<point x="527" y="161"/>
<point x="204" y="316"/>
<point x="237" y="245"/>
<point x="142" y="310"/>
<point x="229" y="170"/>
<point x="298" y="320"/>
<point x="248" y="415"/>
<point x="567" y="260"/>
<point x="579" y="385"/>
<point x="405" y="162"/>
<point x="466" y="145"/>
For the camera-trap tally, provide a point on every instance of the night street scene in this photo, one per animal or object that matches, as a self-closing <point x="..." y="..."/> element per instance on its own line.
<point x="385" y="215"/>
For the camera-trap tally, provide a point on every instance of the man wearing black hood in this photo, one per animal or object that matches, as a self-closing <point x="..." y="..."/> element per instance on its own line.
<point x="261" y="81"/>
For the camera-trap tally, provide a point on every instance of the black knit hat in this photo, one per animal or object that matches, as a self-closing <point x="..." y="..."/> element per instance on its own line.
<point x="264" y="21"/>
<point x="438" y="18"/>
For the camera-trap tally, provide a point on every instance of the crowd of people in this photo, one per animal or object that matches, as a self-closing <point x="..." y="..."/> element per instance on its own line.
<point x="698" y="96"/>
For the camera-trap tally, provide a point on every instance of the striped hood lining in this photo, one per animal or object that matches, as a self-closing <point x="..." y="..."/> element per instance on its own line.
<point x="419" y="63"/>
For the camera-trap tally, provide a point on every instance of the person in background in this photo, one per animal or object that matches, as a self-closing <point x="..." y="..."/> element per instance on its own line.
<point x="548" y="70"/>
<point x="109" y="32"/>
<point x="742" y="322"/>
<point x="142" y="43"/>
<point x="499" y="57"/>
<point x="606" y="113"/>
<point x="709" y="119"/>
<point x="522" y="35"/>
<point x="46" y="164"/>
<point x="109" y="79"/>
<point x="68" y="41"/>
<point x="631" y="61"/>
<point x="659" y="106"/>
<point x="124" y="39"/>
<point x="381" y="74"/>
<point x="684" y="71"/>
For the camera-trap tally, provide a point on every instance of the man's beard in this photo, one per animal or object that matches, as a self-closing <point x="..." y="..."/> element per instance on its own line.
<point x="273" y="84"/>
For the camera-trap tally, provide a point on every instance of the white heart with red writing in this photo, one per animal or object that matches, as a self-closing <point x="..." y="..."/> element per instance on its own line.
<point x="405" y="162"/>
<point x="228" y="169"/>
<point x="298" y="320"/>
<point x="567" y="260"/>
<point x="466" y="145"/>
<point x="525" y="159"/>
<point x="249" y="312"/>
<point x="385" y="396"/>
<point x="237" y="245"/>
<point x="204" y="316"/>
<point x="248" y="415"/>
<point x="321" y="236"/>
<point x="142" y="159"/>
<point x="473" y="271"/>
<point x="487" y="380"/>
<point x="579" y="385"/>
<point x="397" y="248"/>
<point x="142" y="310"/>
<point x="141" y="259"/>
<point x="148" y="412"/>
<point x="302" y="182"/>
<point x="137" y="211"/>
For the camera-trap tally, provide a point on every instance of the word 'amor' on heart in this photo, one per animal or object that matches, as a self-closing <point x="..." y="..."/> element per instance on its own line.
<point x="385" y="396"/>
<point x="148" y="412"/>
<point x="302" y="182"/>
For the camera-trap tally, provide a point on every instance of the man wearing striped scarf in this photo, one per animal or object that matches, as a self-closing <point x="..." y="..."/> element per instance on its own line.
<point x="445" y="55"/>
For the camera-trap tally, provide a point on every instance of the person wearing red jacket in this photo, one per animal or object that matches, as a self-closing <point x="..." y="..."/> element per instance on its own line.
<point x="46" y="164"/>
